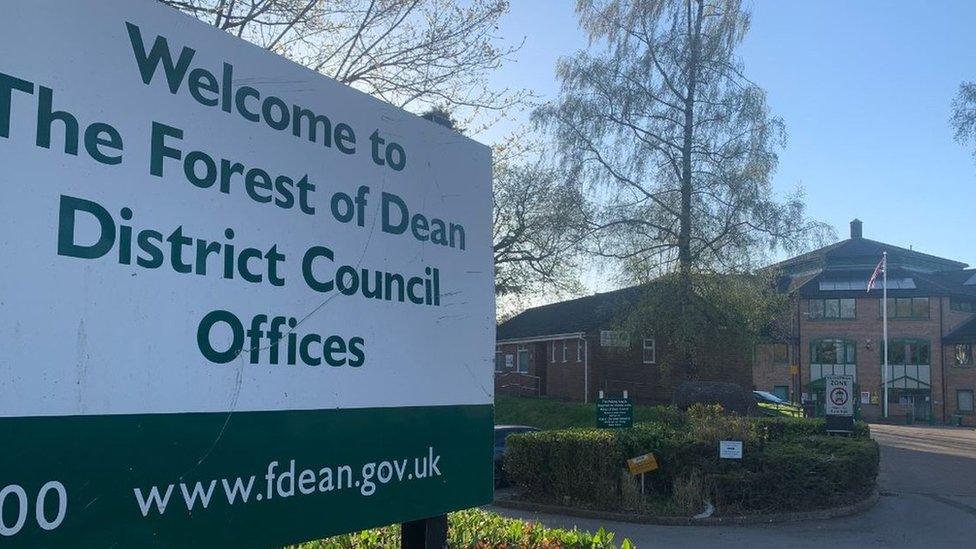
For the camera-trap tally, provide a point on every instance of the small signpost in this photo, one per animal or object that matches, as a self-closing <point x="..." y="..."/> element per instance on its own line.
<point x="730" y="449"/>
<point x="614" y="413"/>
<point x="641" y="465"/>
<point x="839" y="406"/>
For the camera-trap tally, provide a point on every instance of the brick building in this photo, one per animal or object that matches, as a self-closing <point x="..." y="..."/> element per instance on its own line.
<point x="836" y="327"/>
<point x="571" y="350"/>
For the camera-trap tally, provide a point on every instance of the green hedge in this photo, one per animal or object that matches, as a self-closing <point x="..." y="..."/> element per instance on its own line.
<point x="788" y="464"/>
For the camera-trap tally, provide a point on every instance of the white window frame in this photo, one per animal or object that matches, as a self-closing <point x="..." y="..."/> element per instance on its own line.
<point x="565" y="349"/>
<point x="580" y="349"/>
<point x="652" y="347"/>
<point x="518" y="362"/>
<point x="553" y="347"/>
<point x="972" y="401"/>
<point x="499" y="364"/>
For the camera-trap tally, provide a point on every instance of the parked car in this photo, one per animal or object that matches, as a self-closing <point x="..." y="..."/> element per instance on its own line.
<point x="501" y="435"/>
<point x="771" y="405"/>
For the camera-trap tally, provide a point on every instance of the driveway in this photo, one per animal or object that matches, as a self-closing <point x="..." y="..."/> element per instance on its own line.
<point x="928" y="499"/>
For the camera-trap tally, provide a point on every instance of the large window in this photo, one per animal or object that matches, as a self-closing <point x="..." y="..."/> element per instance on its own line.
<point x="832" y="357"/>
<point x="964" y="400"/>
<point x="963" y="354"/>
<point x="908" y="307"/>
<point x="820" y="309"/>
<point x="522" y="360"/>
<point x="649" y="354"/>
<point x="909" y="351"/>
<point x="962" y="305"/>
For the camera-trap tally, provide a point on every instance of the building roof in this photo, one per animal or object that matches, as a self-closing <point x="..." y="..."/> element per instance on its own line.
<point x="583" y="314"/>
<point x="964" y="333"/>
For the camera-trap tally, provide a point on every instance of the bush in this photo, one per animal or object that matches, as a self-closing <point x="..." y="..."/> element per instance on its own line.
<point x="570" y="466"/>
<point x="787" y="464"/>
<point x="479" y="529"/>
<point x="731" y="397"/>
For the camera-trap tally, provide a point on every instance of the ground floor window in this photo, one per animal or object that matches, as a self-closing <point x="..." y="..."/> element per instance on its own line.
<point x="522" y="361"/>
<point x="499" y="361"/>
<point x="650" y="350"/>
<point x="782" y="391"/>
<point x="832" y="357"/>
<point x="964" y="400"/>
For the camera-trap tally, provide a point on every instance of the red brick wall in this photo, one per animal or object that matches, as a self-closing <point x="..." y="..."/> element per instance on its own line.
<point x="767" y="373"/>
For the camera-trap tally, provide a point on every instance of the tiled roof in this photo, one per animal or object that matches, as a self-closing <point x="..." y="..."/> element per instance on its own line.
<point x="576" y="315"/>
<point x="964" y="333"/>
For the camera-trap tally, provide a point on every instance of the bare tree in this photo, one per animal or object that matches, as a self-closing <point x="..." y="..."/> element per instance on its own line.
<point x="963" y="119"/>
<point x="536" y="229"/>
<point x="412" y="53"/>
<point x="676" y="144"/>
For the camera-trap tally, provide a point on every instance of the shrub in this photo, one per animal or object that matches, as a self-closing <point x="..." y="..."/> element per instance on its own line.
<point x="570" y="466"/>
<point x="779" y="428"/>
<point x="730" y="396"/>
<point x="480" y="529"/>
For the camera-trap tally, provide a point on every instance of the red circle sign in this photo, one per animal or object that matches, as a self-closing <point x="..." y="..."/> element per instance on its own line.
<point x="839" y="396"/>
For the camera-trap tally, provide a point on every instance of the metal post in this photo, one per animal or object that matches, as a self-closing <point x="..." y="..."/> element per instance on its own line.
<point x="428" y="533"/>
<point x="884" y="316"/>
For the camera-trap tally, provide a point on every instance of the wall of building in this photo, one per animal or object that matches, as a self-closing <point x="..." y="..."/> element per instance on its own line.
<point x="770" y="370"/>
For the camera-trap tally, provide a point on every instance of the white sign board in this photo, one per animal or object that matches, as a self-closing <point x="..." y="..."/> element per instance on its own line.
<point x="220" y="266"/>
<point x="839" y="391"/>
<point x="730" y="449"/>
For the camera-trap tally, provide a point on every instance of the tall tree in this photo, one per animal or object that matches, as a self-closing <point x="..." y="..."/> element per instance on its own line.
<point x="676" y="144"/>
<point x="536" y="227"/>
<point x="963" y="119"/>
<point x="412" y="53"/>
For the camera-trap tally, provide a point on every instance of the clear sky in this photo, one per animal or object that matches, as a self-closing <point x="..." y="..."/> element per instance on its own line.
<point x="865" y="89"/>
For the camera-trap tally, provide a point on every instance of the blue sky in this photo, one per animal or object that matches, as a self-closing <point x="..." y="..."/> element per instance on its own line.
<point x="865" y="89"/>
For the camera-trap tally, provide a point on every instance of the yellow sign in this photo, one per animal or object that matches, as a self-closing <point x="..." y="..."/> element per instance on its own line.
<point x="794" y="369"/>
<point x="642" y="464"/>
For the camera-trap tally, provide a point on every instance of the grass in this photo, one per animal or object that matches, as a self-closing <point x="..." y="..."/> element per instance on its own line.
<point x="555" y="414"/>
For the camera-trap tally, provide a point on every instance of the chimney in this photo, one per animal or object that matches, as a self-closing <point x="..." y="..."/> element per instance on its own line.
<point x="857" y="228"/>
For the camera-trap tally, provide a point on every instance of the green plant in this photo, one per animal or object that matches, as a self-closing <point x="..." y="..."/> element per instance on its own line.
<point x="477" y="529"/>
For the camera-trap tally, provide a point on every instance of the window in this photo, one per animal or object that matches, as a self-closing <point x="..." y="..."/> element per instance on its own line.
<point x="908" y="307"/>
<point x="782" y="391"/>
<point x="964" y="400"/>
<point x="565" y="345"/>
<point x="833" y="351"/>
<point x="611" y="338"/>
<point x="650" y="351"/>
<point x="909" y="352"/>
<point x="781" y="354"/>
<point x="963" y="306"/>
<point x="832" y="357"/>
<point x="580" y="349"/>
<point x="820" y="309"/>
<point x="963" y="354"/>
<point x="553" y="347"/>
<point x="522" y="362"/>
<point x="499" y="361"/>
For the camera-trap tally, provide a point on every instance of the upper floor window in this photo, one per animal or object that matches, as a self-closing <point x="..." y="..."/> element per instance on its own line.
<point x="909" y="352"/>
<point x="908" y="307"/>
<point x="833" y="351"/>
<point x="781" y="354"/>
<point x="832" y="308"/>
<point x="962" y="305"/>
<point x="649" y="352"/>
<point x="963" y="354"/>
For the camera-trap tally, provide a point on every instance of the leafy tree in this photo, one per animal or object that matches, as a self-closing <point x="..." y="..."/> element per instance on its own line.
<point x="676" y="145"/>
<point x="411" y="53"/>
<point x="963" y="119"/>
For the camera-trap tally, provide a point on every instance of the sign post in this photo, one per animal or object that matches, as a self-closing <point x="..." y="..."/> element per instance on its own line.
<point x="839" y="406"/>
<point x="223" y="293"/>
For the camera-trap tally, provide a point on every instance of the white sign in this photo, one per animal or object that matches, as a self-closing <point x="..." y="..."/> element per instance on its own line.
<point x="614" y="338"/>
<point x="730" y="449"/>
<point x="839" y="391"/>
<point x="192" y="224"/>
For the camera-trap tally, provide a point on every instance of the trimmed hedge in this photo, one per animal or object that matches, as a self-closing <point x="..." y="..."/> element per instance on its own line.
<point x="788" y="463"/>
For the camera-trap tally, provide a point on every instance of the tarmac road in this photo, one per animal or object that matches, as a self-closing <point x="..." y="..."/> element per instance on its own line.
<point x="928" y="499"/>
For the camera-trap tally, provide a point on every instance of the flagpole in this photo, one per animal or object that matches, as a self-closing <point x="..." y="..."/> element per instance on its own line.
<point x="884" y="316"/>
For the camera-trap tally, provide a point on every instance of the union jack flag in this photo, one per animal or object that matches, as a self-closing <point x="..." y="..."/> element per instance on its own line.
<point x="877" y="271"/>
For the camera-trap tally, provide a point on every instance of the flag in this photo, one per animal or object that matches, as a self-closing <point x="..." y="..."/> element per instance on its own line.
<point x="877" y="270"/>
